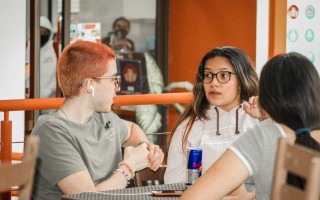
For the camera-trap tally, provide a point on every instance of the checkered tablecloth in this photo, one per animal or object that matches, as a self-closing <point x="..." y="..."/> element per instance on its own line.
<point x="135" y="193"/>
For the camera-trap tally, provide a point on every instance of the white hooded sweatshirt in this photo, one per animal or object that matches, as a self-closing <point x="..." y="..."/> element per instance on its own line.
<point x="213" y="136"/>
<point x="48" y="62"/>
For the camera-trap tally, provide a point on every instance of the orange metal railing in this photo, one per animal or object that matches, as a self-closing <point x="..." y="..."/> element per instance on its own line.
<point x="7" y="106"/>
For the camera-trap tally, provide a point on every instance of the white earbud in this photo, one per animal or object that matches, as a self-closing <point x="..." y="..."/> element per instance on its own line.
<point x="92" y="90"/>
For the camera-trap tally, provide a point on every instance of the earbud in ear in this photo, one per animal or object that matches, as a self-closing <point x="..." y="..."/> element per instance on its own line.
<point x="92" y="90"/>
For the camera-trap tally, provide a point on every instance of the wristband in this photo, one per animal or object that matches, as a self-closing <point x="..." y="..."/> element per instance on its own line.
<point x="125" y="175"/>
<point x="128" y="166"/>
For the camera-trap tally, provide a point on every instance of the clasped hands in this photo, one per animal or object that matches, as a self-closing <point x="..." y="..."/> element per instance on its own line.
<point x="143" y="156"/>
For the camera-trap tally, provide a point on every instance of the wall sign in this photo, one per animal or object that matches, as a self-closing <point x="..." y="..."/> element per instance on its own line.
<point x="303" y="30"/>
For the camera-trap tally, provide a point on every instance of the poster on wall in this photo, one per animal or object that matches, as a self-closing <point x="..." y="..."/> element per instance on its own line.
<point x="303" y="30"/>
<point x="130" y="71"/>
<point x="131" y="78"/>
<point x="85" y="31"/>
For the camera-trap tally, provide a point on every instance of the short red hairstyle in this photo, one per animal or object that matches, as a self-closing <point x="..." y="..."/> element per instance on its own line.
<point x="81" y="60"/>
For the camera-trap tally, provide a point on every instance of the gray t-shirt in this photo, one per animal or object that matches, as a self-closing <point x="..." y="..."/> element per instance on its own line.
<point x="257" y="149"/>
<point x="67" y="147"/>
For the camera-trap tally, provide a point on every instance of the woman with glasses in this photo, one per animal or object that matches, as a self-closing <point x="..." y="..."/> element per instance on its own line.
<point x="225" y="80"/>
<point x="289" y="92"/>
<point x="80" y="143"/>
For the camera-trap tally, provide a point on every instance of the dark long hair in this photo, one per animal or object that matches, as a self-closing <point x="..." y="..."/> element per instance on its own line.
<point x="247" y="77"/>
<point x="288" y="92"/>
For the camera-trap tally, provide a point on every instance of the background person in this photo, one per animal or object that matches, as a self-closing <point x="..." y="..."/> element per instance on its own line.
<point x="294" y="104"/>
<point x="80" y="148"/>
<point x="48" y="61"/>
<point x="147" y="116"/>
<point x="225" y="80"/>
<point x="117" y="39"/>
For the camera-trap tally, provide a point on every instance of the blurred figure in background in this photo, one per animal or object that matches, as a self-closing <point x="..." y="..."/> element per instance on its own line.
<point x="48" y="61"/>
<point x="117" y="39"/>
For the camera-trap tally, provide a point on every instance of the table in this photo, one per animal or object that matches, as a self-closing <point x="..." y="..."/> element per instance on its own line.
<point x="134" y="193"/>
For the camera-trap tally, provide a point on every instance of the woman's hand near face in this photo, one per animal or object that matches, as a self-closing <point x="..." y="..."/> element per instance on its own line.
<point x="254" y="110"/>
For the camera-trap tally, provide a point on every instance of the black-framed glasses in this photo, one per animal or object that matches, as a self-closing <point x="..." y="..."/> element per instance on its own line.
<point x="115" y="78"/>
<point x="222" y="76"/>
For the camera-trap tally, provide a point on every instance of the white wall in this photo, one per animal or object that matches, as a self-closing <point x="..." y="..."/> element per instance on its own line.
<point x="302" y="26"/>
<point x="262" y="40"/>
<point x="146" y="7"/>
<point x="12" y="61"/>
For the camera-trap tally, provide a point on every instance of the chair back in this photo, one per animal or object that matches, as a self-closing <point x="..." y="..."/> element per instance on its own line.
<point x="147" y="177"/>
<point x="21" y="174"/>
<point x="300" y="161"/>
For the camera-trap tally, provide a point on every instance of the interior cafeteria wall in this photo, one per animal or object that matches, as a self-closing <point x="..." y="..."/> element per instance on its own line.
<point x="12" y="62"/>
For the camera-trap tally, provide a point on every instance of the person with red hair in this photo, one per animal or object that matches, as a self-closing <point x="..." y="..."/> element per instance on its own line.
<point x="80" y="148"/>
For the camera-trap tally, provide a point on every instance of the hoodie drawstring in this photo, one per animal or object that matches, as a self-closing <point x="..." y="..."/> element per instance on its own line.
<point x="217" y="133"/>
<point x="237" y="120"/>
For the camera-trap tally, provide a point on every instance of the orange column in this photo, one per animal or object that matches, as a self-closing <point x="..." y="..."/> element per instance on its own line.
<point x="277" y="27"/>
<point x="208" y="24"/>
<point x="6" y="138"/>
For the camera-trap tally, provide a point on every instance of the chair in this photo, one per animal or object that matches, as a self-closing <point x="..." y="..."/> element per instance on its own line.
<point x="147" y="177"/>
<point x="298" y="160"/>
<point x="21" y="174"/>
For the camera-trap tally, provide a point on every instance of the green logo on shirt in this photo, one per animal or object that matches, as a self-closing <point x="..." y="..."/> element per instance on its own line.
<point x="110" y="134"/>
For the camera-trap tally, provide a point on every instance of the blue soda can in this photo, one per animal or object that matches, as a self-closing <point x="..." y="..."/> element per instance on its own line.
<point x="194" y="156"/>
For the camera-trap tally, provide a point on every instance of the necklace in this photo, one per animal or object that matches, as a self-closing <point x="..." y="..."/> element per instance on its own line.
<point x="64" y="113"/>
